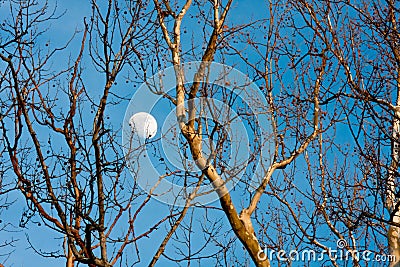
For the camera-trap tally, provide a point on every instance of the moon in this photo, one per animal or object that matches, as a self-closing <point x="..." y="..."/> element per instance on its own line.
<point x="143" y="124"/>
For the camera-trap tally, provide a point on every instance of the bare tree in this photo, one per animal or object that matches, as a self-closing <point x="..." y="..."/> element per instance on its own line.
<point x="326" y="71"/>
<point x="64" y="152"/>
<point x="193" y="130"/>
<point x="323" y="65"/>
<point x="362" y="39"/>
<point x="349" y="185"/>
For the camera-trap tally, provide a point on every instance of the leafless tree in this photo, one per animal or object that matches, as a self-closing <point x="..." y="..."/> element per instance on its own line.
<point x="348" y="188"/>
<point x="57" y="134"/>
<point x="327" y="71"/>
<point x="362" y="40"/>
<point x="324" y="65"/>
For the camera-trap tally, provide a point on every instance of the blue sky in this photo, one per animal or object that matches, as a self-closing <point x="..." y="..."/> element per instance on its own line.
<point x="41" y="237"/>
<point x="58" y="33"/>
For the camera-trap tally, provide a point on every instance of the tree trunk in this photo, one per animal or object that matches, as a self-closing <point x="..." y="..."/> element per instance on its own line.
<point x="70" y="258"/>
<point x="392" y="200"/>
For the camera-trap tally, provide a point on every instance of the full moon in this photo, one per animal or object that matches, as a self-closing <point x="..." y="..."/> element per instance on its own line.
<point x="143" y="124"/>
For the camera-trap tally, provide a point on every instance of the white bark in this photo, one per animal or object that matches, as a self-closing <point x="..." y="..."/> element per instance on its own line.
<point x="392" y="200"/>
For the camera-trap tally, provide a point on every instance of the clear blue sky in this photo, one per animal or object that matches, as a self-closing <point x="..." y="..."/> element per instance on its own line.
<point x="44" y="239"/>
<point x="59" y="32"/>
